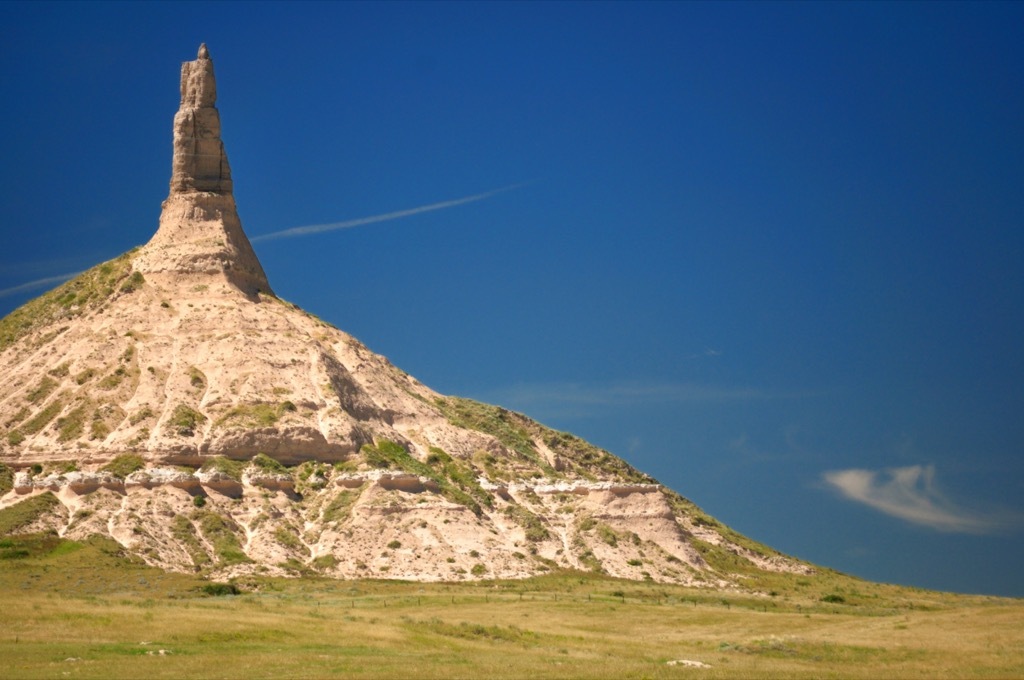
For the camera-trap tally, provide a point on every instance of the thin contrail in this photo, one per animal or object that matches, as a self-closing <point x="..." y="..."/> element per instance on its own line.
<point x="305" y="231"/>
<point x="348" y="224"/>
<point x="38" y="283"/>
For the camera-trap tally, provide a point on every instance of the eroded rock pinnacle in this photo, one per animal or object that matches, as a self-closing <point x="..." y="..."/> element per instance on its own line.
<point x="200" y="232"/>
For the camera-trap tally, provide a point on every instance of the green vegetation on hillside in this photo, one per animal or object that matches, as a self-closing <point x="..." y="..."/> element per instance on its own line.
<point x="256" y="414"/>
<point x="124" y="465"/>
<point x="231" y="468"/>
<point x="184" y="419"/>
<point x="6" y="479"/>
<point x="521" y="434"/>
<point x="87" y="291"/>
<point x="455" y="479"/>
<point x="23" y="513"/>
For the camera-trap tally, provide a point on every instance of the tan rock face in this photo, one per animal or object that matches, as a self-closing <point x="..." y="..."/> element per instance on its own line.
<point x="177" y="354"/>
<point x="200" y="163"/>
<point x="200" y="234"/>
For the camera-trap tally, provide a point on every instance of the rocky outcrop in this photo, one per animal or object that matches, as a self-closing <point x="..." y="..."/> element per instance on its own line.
<point x="199" y="162"/>
<point x="382" y="523"/>
<point x="200" y="232"/>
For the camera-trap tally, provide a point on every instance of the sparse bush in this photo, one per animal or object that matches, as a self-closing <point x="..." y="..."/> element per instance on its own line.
<point x="339" y="508"/>
<point x="607" y="535"/>
<point x="133" y="282"/>
<point x="60" y="371"/>
<point x="325" y="562"/>
<point x="268" y="464"/>
<point x="184" y="419"/>
<point x="220" y="589"/>
<point x="199" y="501"/>
<point x="42" y="390"/>
<point x="285" y="535"/>
<point x="85" y="375"/>
<point x="111" y="381"/>
<point x="196" y="378"/>
<point x="395" y="545"/>
<point x="71" y="426"/>
<point x="98" y="429"/>
<point x="833" y="598"/>
<point x="258" y="414"/>
<point x="140" y="415"/>
<point x="478" y="569"/>
<point x="532" y="525"/>
<point x="231" y="468"/>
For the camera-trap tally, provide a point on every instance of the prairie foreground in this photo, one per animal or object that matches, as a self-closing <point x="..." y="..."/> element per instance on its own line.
<point x="81" y="610"/>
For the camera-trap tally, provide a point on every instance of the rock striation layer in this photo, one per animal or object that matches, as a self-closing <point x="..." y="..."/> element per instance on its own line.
<point x="200" y="232"/>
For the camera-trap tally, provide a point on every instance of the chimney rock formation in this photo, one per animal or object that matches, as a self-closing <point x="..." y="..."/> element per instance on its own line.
<point x="167" y="400"/>
<point x="200" y="233"/>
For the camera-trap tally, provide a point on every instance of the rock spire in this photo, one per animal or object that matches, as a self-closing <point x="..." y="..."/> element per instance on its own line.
<point x="200" y="232"/>
<point x="200" y="163"/>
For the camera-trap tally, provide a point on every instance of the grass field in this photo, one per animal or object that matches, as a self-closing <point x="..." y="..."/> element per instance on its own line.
<point x="82" y="610"/>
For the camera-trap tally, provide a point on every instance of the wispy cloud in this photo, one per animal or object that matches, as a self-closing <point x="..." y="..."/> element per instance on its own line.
<point x="38" y="283"/>
<point x="398" y="214"/>
<point x="911" y="494"/>
<point x="303" y="231"/>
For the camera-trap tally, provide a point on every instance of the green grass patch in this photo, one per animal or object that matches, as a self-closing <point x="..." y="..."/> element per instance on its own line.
<point x="231" y="468"/>
<point x="184" y="419"/>
<point x="264" y="462"/>
<point x="131" y="284"/>
<point x="124" y="464"/>
<point x="257" y="414"/>
<point x="113" y="380"/>
<point x="340" y="507"/>
<point x="185" y="533"/>
<point x="86" y="292"/>
<point x="289" y="538"/>
<point x="222" y="533"/>
<point x="46" y="386"/>
<point x="71" y="425"/>
<point x="507" y="426"/>
<point x="40" y="420"/>
<point x="6" y="479"/>
<point x="455" y="479"/>
<point x="20" y="515"/>
<point x="531" y="523"/>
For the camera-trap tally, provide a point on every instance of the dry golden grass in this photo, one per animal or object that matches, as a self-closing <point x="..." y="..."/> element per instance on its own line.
<point x="82" y="610"/>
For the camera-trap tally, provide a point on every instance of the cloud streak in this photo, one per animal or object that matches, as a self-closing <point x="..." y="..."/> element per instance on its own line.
<point x="911" y="494"/>
<point x="385" y="217"/>
<point x="38" y="283"/>
<point x="307" y="230"/>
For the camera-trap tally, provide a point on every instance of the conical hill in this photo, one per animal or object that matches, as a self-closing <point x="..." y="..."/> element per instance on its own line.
<point x="169" y="400"/>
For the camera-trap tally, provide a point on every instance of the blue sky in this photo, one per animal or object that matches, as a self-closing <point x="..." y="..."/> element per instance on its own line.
<point x="771" y="254"/>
